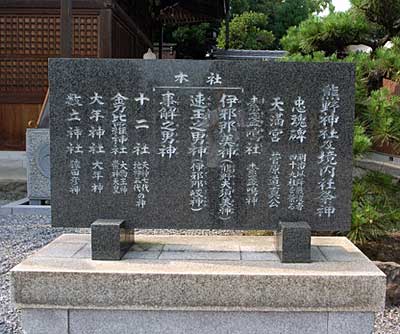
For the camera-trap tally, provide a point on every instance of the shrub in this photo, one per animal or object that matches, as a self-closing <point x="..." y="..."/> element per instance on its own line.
<point x="361" y="143"/>
<point x="330" y="34"/>
<point x="192" y="40"/>
<point x="248" y="31"/>
<point x="375" y="207"/>
<point x="383" y="117"/>
<point x="366" y="224"/>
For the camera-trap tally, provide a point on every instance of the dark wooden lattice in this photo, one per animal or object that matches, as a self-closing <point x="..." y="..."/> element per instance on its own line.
<point x="85" y="36"/>
<point x="23" y="75"/>
<point x="26" y="41"/>
<point x="29" y="35"/>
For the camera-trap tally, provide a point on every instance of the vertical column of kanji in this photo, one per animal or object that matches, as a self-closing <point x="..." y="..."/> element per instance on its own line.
<point x="168" y="113"/>
<point x="228" y="148"/>
<point x="119" y="137"/>
<point x="327" y="157"/>
<point x="297" y="161"/>
<point x="255" y="136"/>
<point x="96" y="148"/>
<point x="276" y="122"/>
<point x="141" y="149"/>
<point x="198" y="150"/>
<point x="74" y="133"/>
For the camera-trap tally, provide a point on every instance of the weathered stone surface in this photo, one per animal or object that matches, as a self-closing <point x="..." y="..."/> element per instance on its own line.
<point x="63" y="250"/>
<point x="45" y="321"/>
<point x="294" y="242"/>
<point x="227" y="164"/>
<point x="379" y="166"/>
<point x="350" y="323"/>
<point x="392" y="272"/>
<point x="23" y="207"/>
<point x="88" y="321"/>
<point x="38" y="169"/>
<point x="184" y="322"/>
<point x="149" y="279"/>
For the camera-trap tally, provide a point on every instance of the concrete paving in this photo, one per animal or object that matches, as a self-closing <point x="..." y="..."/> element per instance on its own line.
<point x="380" y="163"/>
<point x="12" y="166"/>
<point x="12" y="174"/>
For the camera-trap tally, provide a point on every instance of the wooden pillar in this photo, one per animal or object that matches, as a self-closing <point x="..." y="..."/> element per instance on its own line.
<point x="66" y="28"/>
<point x="105" y="38"/>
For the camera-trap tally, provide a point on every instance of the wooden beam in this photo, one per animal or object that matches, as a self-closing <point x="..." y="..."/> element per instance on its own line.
<point x="66" y="28"/>
<point x="44" y="4"/>
<point x="132" y="24"/>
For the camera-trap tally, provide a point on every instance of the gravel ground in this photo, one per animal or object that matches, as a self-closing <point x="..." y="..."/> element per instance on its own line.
<point x="19" y="237"/>
<point x="388" y="322"/>
<point x="12" y="191"/>
<point x="22" y="235"/>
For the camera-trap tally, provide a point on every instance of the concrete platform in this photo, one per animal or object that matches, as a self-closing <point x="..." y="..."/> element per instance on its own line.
<point x="188" y="284"/>
<point x="22" y="207"/>
<point x="380" y="162"/>
<point x="12" y="166"/>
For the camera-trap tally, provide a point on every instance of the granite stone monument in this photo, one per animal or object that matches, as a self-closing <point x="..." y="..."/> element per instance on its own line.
<point x="201" y="144"/>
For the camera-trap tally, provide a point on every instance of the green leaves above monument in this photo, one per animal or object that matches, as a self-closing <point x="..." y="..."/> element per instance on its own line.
<point x="368" y="22"/>
<point x="247" y="31"/>
<point x="330" y="34"/>
<point x="192" y="41"/>
<point x="280" y="14"/>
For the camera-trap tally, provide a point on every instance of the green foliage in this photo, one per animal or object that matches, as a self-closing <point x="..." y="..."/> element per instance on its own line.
<point x="383" y="117"/>
<point x="293" y="41"/>
<point x="282" y="14"/>
<point x="388" y="61"/>
<point x="375" y="207"/>
<point x="376" y="109"/>
<point x="240" y="6"/>
<point x="318" y="6"/>
<point x="289" y="13"/>
<point x="396" y="44"/>
<point x="318" y="56"/>
<point x="266" y="7"/>
<point x="370" y="22"/>
<point x="361" y="142"/>
<point x="366" y="223"/>
<point x="384" y="13"/>
<point x="192" y="41"/>
<point x="247" y="31"/>
<point x="364" y="67"/>
<point x="269" y="7"/>
<point x="330" y="34"/>
<point x="366" y="70"/>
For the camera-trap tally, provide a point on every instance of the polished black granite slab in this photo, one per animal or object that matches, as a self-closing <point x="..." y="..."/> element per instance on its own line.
<point x="110" y="240"/>
<point x="201" y="144"/>
<point x="293" y="242"/>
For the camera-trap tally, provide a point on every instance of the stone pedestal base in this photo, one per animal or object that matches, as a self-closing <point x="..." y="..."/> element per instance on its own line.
<point x="196" y="285"/>
<point x="198" y="322"/>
